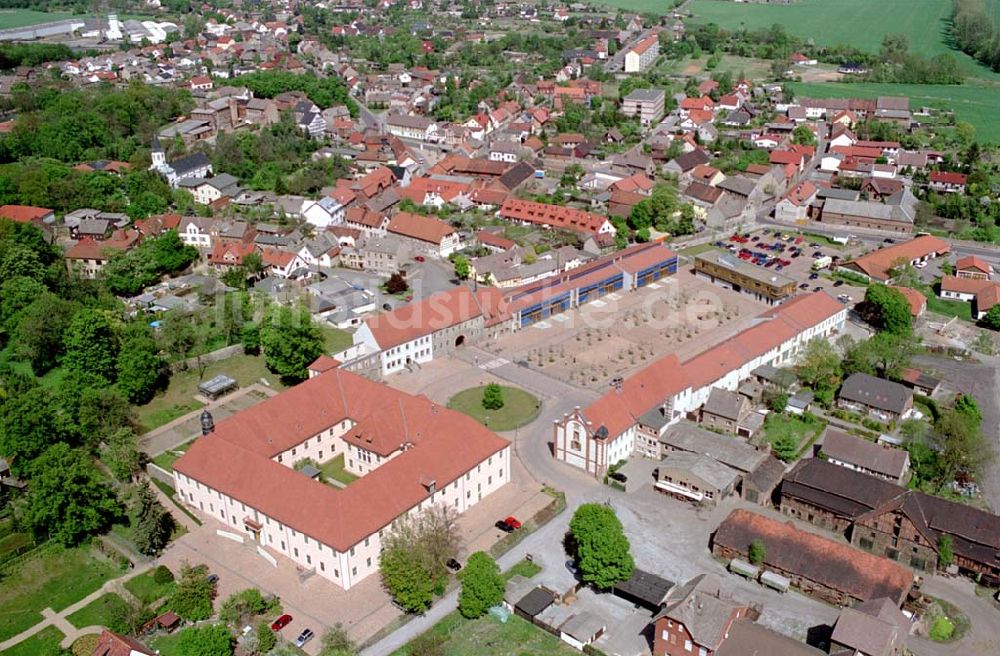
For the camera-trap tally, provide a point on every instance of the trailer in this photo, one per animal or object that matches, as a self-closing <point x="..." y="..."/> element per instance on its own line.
<point x="744" y="569"/>
<point x="822" y="262"/>
<point x="775" y="581"/>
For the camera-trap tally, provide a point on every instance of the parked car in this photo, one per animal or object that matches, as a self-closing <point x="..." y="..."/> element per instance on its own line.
<point x="508" y="525"/>
<point x="920" y="265"/>
<point x="281" y="622"/>
<point x="839" y="283"/>
<point x="804" y="285"/>
<point x="304" y="637"/>
<point x="618" y="476"/>
<point x="453" y="565"/>
<point x="419" y="258"/>
<point x="212" y="578"/>
<point x="513" y="521"/>
<point x="888" y="240"/>
<point x="813" y="276"/>
<point x="571" y="566"/>
<point x="817" y="289"/>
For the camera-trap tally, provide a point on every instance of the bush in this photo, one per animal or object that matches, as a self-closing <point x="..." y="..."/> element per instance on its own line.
<point x="85" y="645"/>
<point x="162" y="575"/>
<point x="942" y="629"/>
<point x="492" y="397"/>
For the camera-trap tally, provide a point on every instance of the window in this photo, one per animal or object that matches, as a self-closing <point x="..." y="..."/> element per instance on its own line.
<point x="352" y="551"/>
<point x="322" y="566"/>
<point x="366" y="541"/>
<point x="309" y="559"/>
<point x="354" y="571"/>
<point x="368" y="561"/>
<point x="296" y="550"/>
<point x="687" y="645"/>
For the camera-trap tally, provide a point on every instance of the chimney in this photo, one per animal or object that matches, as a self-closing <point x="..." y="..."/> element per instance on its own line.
<point x="207" y="423"/>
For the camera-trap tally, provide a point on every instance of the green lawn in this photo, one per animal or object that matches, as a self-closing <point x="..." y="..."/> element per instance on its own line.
<point x="99" y="612"/>
<point x="168" y="458"/>
<point x="177" y="400"/>
<point x="691" y="251"/>
<point x="779" y="426"/>
<point x="148" y="590"/>
<point x="519" y="408"/>
<point x="488" y="637"/>
<point x="44" y="643"/>
<point x="24" y="17"/>
<point x="335" y="469"/>
<point x="56" y="578"/>
<point x="336" y="339"/>
<point x="974" y="101"/>
<point x="946" y="307"/>
<point x="525" y="568"/>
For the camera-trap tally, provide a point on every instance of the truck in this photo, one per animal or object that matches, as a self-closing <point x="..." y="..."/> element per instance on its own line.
<point x="822" y="262"/>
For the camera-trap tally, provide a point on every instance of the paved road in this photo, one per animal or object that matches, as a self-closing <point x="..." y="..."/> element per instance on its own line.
<point x="982" y="637"/>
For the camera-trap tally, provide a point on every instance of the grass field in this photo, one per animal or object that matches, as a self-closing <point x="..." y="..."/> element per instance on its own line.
<point x="146" y="589"/>
<point x="488" y="637"/>
<point x="56" y="579"/>
<point x="44" y="643"/>
<point x="24" y="17"/>
<point x="335" y="469"/>
<point x="167" y="459"/>
<point x="519" y="408"/>
<point x="100" y="612"/>
<point x="973" y="102"/>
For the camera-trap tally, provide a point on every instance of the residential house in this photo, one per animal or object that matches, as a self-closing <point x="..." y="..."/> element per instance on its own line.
<point x="428" y="233"/>
<point x="555" y="216"/>
<point x="646" y="104"/>
<point x="725" y="410"/>
<point x="642" y="55"/>
<point x="828" y="569"/>
<point x="895" y="214"/>
<point x="326" y="211"/>
<point x="882" y="461"/>
<point x="695" y="619"/>
<point x="419" y="128"/>
<point x="112" y="644"/>
<point x="947" y="182"/>
<point x="983" y="294"/>
<point x="794" y="207"/>
<point x="228" y="255"/>
<point x="88" y="256"/>
<point x="695" y="477"/>
<point x="974" y="267"/>
<point x="196" y="231"/>
<point x="876" y="397"/>
<point x="747" y="638"/>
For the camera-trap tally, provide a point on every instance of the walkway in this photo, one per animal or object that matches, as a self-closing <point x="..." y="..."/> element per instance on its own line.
<point x="60" y="621"/>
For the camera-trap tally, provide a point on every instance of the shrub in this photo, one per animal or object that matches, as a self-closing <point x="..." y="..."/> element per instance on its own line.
<point x="942" y="629"/>
<point x="162" y="575"/>
<point x="492" y="397"/>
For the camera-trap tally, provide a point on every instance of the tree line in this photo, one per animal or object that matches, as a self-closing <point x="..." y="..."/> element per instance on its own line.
<point x="975" y="32"/>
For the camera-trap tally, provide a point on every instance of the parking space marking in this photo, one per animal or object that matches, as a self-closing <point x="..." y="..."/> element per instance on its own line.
<point x="597" y="303"/>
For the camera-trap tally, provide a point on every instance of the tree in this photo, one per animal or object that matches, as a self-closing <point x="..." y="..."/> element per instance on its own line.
<point x="482" y="586"/>
<point x="492" y="396"/>
<point x="803" y="136"/>
<point x="192" y="598"/>
<point x="139" y="369"/>
<point x="67" y="498"/>
<point x="819" y="365"/>
<point x="101" y="412"/>
<point x="243" y="605"/>
<point x="121" y="455"/>
<point x="266" y="638"/>
<point x="38" y="335"/>
<point x="756" y="553"/>
<point x="250" y="337"/>
<point x="336" y="642"/>
<point x="888" y="310"/>
<point x="291" y="342"/>
<point x="90" y="345"/>
<point x="128" y="618"/>
<point x="151" y="522"/>
<point x="962" y="448"/>
<point x="602" y="551"/>
<point x="397" y="284"/>
<point x="462" y="267"/>
<point x="945" y="554"/>
<point x="177" y="335"/>
<point x="414" y="554"/>
<point x="967" y="405"/>
<point x="30" y="423"/>
<point x="777" y="402"/>
<point x="992" y="318"/>
<point x="885" y="355"/>
<point x="213" y="640"/>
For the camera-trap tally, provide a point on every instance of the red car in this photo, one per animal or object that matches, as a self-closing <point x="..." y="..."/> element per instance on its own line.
<point x="281" y="622"/>
<point x="513" y="522"/>
<point x="419" y="258"/>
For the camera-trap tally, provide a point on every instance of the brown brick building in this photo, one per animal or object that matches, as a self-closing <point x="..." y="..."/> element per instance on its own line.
<point x="695" y="619"/>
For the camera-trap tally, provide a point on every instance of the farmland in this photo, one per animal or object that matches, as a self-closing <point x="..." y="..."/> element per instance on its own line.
<point x="974" y="102"/>
<point x="23" y="17"/>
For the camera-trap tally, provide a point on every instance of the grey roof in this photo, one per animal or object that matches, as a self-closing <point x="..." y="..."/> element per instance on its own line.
<point x="738" y="185"/>
<point x="864" y="633"/>
<point x="862" y="453"/>
<point x="747" y="638"/>
<point x="688" y="161"/>
<point x="711" y="471"/>
<point x="836" y="193"/>
<point x="767" y="476"/>
<point x="699" y="607"/>
<point x="870" y="210"/>
<point x="724" y="403"/>
<point x="223" y="181"/>
<point x="645" y="587"/>
<point x="535" y="601"/>
<point x="415" y="122"/>
<point x="94" y="226"/>
<point x="775" y="375"/>
<point x="766" y="276"/>
<point x="645" y="95"/>
<point x="218" y="384"/>
<point x="190" y="163"/>
<point x="583" y="626"/>
<point x="801" y="399"/>
<point x="875" y="393"/>
<point x="735" y="453"/>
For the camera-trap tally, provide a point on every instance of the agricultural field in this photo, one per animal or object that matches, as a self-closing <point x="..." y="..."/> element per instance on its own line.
<point x="972" y="102"/>
<point x="23" y="17"/>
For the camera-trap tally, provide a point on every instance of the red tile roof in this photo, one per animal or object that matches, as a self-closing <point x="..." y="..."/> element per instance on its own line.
<point x="917" y="301"/>
<point x="645" y="44"/>
<point x="424" y="228"/>
<point x="801" y="194"/>
<point x="492" y="239"/>
<point x="230" y="253"/>
<point x="434" y="313"/>
<point x="833" y="564"/>
<point x="440" y="445"/>
<point x="89" y="249"/>
<point x="973" y="262"/>
<point x="112" y="644"/>
<point x="23" y="213"/>
<point x="948" y="177"/>
<point x="878" y="263"/>
<point x="276" y="257"/>
<point x="555" y="216"/>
